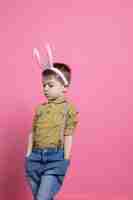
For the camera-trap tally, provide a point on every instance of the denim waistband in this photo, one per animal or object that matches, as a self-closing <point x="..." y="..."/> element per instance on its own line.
<point x="48" y="149"/>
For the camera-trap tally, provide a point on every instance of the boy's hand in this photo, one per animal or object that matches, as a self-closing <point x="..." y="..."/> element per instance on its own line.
<point x="27" y="155"/>
<point x="29" y="148"/>
<point x="67" y="147"/>
<point x="67" y="157"/>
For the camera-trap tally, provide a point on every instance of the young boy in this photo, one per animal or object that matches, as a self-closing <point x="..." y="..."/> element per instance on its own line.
<point x="49" y="147"/>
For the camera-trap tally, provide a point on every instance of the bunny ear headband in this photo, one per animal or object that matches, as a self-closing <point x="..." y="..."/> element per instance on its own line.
<point x="49" y="65"/>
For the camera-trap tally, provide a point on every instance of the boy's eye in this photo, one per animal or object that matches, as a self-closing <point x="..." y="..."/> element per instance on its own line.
<point x="50" y="85"/>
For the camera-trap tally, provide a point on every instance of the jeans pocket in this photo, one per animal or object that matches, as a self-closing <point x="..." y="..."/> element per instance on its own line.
<point x="32" y="163"/>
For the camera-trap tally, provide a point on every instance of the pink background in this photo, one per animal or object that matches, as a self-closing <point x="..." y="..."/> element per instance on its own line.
<point x="96" y="39"/>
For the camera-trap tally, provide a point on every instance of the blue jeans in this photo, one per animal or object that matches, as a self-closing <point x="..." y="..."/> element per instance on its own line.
<point x="45" y="170"/>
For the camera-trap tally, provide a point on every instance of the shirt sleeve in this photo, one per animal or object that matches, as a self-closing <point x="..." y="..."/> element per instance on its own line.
<point x="35" y="117"/>
<point x="71" y="120"/>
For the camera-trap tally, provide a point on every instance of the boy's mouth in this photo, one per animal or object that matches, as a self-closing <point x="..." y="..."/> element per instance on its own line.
<point x="47" y="95"/>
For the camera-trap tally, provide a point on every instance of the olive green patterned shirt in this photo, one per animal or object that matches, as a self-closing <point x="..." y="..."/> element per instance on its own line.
<point x="48" y="120"/>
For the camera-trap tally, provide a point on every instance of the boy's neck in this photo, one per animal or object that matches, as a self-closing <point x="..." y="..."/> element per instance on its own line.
<point x="59" y="99"/>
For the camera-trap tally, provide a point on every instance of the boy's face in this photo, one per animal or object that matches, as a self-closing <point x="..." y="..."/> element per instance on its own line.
<point x="52" y="87"/>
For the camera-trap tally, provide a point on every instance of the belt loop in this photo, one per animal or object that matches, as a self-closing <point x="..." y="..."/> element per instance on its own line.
<point x="41" y="153"/>
<point x="60" y="146"/>
<point x="57" y="148"/>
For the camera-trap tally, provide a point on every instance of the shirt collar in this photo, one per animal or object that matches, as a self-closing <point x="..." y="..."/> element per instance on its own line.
<point x="58" y="100"/>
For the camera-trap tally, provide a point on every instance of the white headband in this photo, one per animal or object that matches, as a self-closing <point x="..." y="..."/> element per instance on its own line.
<point x="49" y="65"/>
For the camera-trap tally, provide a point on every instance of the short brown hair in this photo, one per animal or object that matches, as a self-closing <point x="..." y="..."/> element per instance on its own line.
<point x="65" y="69"/>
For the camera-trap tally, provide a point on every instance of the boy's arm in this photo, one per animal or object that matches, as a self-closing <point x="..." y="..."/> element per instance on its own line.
<point x="70" y="127"/>
<point x="30" y="138"/>
<point x="29" y="146"/>
<point x="68" y="139"/>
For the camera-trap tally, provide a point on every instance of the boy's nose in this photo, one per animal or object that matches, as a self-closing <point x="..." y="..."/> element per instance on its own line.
<point x="46" y="88"/>
<point x="46" y="91"/>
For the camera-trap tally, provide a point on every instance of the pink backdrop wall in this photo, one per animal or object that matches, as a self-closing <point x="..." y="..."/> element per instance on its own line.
<point x="96" y="39"/>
